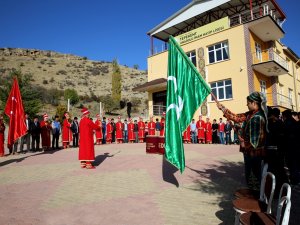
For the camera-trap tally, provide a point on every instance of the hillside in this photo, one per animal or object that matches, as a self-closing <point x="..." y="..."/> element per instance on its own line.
<point x="64" y="71"/>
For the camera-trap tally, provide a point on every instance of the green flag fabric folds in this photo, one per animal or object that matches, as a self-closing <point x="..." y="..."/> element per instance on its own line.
<point x="186" y="90"/>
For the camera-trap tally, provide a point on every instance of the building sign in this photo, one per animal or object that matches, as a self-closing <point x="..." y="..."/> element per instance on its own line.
<point x="203" y="31"/>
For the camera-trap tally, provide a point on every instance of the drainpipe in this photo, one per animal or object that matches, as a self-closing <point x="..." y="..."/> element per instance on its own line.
<point x="295" y="86"/>
<point x="251" y="9"/>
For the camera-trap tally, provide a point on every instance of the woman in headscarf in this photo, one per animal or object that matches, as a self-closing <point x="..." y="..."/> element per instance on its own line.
<point x="252" y="134"/>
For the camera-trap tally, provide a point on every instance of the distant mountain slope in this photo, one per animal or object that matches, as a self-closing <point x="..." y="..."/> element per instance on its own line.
<point x="55" y="70"/>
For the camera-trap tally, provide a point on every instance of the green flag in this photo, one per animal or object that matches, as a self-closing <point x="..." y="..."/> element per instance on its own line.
<point x="186" y="90"/>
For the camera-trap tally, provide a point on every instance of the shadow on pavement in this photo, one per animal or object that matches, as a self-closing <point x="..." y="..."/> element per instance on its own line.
<point x="100" y="158"/>
<point x="224" y="178"/>
<point x="168" y="171"/>
<point x="17" y="160"/>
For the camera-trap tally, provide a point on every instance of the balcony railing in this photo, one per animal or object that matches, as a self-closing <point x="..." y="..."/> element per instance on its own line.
<point x="282" y="100"/>
<point x="158" y="110"/>
<point x="247" y="16"/>
<point x="269" y="55"/>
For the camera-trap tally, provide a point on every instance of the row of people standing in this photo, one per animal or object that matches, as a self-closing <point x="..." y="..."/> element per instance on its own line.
<point x="207" y="132"/>
<point x="128" y="131"/>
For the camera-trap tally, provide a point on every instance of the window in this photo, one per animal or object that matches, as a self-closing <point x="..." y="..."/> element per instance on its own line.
<point x="258" y="51"/>
<point x="281" y="94"/>
<point x="298" y="98"/>
<point x="222" y="89"/>
<point x="263" y="86"/>
<point x="192" y="56"/>
<point x="218" y="52"/>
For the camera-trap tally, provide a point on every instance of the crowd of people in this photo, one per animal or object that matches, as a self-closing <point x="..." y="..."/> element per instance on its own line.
<point x="263" y="133"/>
<point x="205" y="132"/>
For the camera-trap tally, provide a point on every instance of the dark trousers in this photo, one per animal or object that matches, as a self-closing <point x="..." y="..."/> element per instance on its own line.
<point x="253" y="164"/>
<point x="55" y="138"/>
<point x="35" y="144"/>
<point x="75" y="140"/>
<point x="104" y="137"/>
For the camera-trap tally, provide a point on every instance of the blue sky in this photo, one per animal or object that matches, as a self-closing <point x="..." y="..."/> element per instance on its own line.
<point x="102" y="30"/>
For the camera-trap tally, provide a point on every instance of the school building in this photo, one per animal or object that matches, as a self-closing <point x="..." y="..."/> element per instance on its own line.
<point x="236" y="46"/>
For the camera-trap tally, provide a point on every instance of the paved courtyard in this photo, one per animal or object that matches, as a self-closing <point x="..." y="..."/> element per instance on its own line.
<point x="128" y="187"/>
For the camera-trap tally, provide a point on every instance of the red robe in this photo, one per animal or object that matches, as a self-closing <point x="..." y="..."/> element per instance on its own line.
<point x="187" y="135"/>
<point x="99" y="135"/>
<point x="119" y="130"/>
<point x="208" y="133"/>
<point x="141" y="126"/>
<point x="130" y="128"/>
<point x="201" y="129"/>
<point x="109" y="130"/>
<point x="66" y="132"/>
<point x="151" y="128"/>
<point x="86" y="139"/>
<point x="162" y="127"/>
<point x="2" y="129"/>
<point x="46" y="129"/>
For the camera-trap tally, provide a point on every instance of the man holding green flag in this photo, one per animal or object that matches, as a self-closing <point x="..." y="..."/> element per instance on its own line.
<point x="186" y="90"/>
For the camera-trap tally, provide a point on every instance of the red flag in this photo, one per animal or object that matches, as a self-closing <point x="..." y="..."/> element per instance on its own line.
<point x="15" y="111"/>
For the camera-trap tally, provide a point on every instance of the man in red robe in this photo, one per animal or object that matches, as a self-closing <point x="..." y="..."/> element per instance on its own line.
<point x="151" y="127"/>
<point x="2" y="129"/>
<point x="66" y="131"/>
<point x="201" y="130"/>
<point x="46" y="129"/>
<point x="187" y="135"/>
<point x="162" y="125"/>
<point x="208" y="131"/>
<point x="119" y="131"/>
<point x="141" y="126"/>
<point x="86" y="140"/>
<point x="131" y="137"/>
<point x="99" y="135"/>
<point x="109" y="130"/>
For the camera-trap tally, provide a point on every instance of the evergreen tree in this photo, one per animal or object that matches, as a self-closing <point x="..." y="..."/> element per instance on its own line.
<point x="116" y="82"/>
<point x="30" y="96"/>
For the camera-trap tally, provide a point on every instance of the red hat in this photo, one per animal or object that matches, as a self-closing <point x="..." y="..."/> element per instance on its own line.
<point x="45" y="116"/>
<point x="84" y="111"/>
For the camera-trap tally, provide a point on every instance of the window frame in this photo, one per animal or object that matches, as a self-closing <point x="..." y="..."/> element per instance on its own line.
<point x="191" y="57"/>
<point x="263" y="84"/>
<point x="217" y="88"/>
<point x="224" y="46"/>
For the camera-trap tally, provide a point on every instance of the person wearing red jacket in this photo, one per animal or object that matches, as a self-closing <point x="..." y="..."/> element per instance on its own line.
<point x="162" y="125"/>
<point x="46" y="129"/>
<point x="151" y="127"/>
<point x="208" y="131"/>
<point x="141" y="126"/>
<point x="187" y="135"/>
<point x="86" y="154"/>
<point x="66" y="131"/>
<point x="109" y="130"/>
<point x="201" y="130"/>
<point x="131" y="137"/>
<point x="99" y="135"/>
<point x="119" y="131"/>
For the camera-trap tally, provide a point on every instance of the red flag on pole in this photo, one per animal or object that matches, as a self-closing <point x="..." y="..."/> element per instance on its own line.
<point x="15" y="111"/>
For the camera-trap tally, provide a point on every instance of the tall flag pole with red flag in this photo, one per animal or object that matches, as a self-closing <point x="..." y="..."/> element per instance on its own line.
<point x="15" y="111"/>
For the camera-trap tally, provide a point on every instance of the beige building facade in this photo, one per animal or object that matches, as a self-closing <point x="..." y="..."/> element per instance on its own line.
<point x="235" y="45"/>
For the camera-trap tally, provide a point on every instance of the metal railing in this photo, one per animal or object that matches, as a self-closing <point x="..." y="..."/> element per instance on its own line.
<point x="158" y="110"/>
<point x="269" y="55"/>
<point x="253" y="14"/>
<point x="282" y="100"/>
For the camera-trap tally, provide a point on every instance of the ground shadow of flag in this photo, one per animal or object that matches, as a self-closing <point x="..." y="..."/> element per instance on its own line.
<point x="168" y="171"/>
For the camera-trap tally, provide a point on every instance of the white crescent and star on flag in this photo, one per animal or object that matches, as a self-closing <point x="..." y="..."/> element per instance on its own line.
<point x="178" y="108"/>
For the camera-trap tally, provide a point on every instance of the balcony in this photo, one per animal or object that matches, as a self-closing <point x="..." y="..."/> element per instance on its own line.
<point x="269" y="63"/>
<point x="261" y="21"/>
<point x="158" y="110"/>
<point x="280" y="100"/>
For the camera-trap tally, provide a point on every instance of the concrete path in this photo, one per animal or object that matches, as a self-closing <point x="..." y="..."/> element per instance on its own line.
<point x="128" y="187"/>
